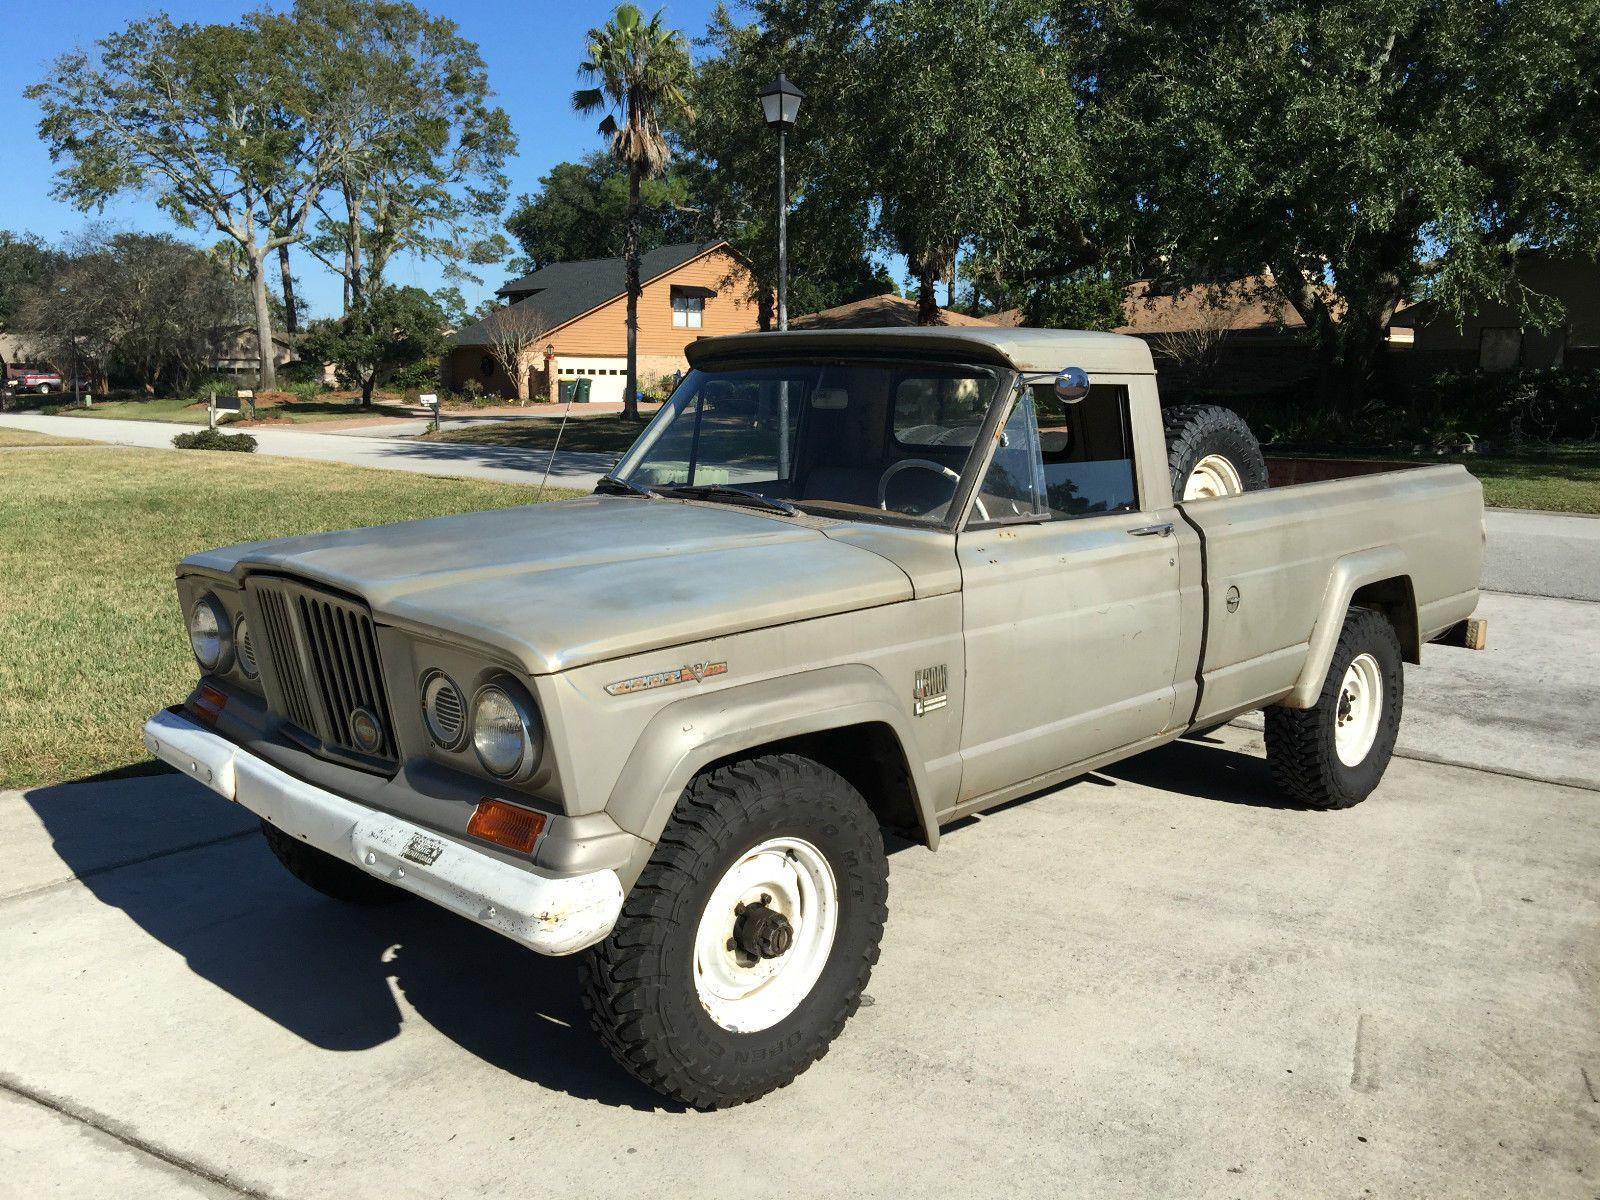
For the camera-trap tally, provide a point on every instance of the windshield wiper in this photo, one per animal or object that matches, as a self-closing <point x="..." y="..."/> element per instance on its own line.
<point x="610" y="483"/>
<point x="722" y="491"/>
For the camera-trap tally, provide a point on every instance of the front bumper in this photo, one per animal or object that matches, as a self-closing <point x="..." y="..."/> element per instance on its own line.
<point x="549" y="915"/>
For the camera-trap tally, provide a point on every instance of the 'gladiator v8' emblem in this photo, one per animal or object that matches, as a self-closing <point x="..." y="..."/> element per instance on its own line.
<point x="928" y="692"/>
<point x="699" y="672"/>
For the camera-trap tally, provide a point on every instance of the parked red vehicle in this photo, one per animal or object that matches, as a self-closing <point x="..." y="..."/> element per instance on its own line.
<point x="25" y="377"/>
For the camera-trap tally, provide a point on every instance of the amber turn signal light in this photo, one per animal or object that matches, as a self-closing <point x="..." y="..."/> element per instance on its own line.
<point x="506" y="825"/>
<point x="208" y="705"/>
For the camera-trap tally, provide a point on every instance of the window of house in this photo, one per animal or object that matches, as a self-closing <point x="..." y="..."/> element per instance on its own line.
<point x="1499" y="349"/>
<point x="1059" y="461"/>
<point x="688" y="312"/>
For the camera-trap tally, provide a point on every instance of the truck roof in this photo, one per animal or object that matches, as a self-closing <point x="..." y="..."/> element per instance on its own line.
<point x="1023" y="349"/>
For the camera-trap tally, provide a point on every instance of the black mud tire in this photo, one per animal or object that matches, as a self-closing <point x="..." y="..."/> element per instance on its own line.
<point x="1300" y="742"/>
<point x="1198" y="431"/>
<point x="320" y="870"/>
<point x="638" y="984"/>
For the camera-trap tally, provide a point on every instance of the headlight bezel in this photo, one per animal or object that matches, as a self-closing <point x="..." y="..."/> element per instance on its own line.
<point x="527" y="715"/>
<point x="209" y="602"/>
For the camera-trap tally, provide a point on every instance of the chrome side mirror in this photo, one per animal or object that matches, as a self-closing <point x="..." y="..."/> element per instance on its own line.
<point x="1072" y="385"/>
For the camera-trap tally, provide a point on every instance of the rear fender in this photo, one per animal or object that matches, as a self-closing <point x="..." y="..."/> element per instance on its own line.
<point x="1350" y="574"/>
<point x="686" y="736"/>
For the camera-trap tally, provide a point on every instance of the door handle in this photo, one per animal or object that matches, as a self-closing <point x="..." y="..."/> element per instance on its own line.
<point x="1162" y="530"/>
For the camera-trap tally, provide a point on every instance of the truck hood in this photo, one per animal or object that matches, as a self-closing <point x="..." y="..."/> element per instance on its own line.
<point x="559" y="585"/>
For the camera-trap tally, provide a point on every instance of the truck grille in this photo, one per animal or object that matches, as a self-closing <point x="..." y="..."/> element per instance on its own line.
<point x="322" y="651"/>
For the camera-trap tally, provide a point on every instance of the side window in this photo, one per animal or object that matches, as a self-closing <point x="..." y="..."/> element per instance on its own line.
<point x="1087" y="452"/>
<point x="1058" y="461"/>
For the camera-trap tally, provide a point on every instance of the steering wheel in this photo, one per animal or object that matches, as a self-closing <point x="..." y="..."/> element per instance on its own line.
<point x="925" y="464"/>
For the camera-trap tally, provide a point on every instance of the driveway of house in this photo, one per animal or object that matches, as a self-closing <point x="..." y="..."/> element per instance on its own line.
<point x="1153" y="982"/>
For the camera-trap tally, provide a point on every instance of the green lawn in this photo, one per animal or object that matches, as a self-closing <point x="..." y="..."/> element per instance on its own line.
<point x="187" y="412"/>
<point x="1557" y="480"/>
<point x="1552" y="478"/>
<point x="604" y="433"/>
<point x="14" y="438"/>
<point x="91" y="640"/>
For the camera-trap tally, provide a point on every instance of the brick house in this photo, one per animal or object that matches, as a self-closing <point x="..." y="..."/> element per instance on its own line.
<point x="575" y="315"/>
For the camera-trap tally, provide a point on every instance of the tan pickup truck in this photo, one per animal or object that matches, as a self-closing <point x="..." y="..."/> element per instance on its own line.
<point x="844" y="581"/>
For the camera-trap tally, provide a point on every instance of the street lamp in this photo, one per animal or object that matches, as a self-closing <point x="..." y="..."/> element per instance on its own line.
<point x="780" y="102"/>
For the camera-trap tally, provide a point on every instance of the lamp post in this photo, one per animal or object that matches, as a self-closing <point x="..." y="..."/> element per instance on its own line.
<point x="780" y="102"/>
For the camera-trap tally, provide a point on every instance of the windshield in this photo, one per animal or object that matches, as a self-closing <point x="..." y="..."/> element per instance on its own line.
<point x="848" y="437"/>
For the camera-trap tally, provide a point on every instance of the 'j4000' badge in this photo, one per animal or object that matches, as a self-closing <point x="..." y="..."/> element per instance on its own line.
<point x="643" y="683"/>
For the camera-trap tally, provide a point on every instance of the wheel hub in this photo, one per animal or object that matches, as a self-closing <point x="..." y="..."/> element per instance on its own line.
<point x="761" y="931"/>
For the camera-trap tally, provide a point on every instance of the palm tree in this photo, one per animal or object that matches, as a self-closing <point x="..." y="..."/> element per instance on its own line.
<point x="640" y="71"/>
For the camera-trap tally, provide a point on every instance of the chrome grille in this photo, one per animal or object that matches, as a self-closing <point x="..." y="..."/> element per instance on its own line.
<point x="284" y="655"/>
<point x="324" y="655"/>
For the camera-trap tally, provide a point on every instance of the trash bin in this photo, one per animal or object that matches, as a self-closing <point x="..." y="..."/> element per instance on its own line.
<point x="567" y="390"/>
<point x="584" y="384"/>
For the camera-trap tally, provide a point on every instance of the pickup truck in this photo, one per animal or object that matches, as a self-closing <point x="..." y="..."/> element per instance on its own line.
<point x="21" y="377"/>
<point x="845" y="581"/>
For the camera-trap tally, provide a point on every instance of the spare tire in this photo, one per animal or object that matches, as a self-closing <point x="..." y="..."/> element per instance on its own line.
<point x="1211" y="452"/>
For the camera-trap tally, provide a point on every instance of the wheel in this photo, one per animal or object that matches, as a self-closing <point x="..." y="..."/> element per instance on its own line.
<point x="1333" y="755"/>
<point x="749" y="938"/>
<point x="320" y="870"/>
<point x="1211" y="452"/>
<point x="44" y="389"/>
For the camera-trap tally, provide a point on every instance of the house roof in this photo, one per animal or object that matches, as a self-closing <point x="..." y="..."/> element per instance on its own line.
<point x="1024" y="349"/>
<point x="556" y="294"/>
<point x="887" y="311"/>
<point x="1253" y="302"/>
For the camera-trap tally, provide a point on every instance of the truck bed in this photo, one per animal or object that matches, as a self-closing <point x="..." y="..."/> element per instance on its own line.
<point x="1281" y="564"/>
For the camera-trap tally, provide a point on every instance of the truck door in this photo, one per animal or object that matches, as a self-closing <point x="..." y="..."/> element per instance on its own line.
<point x="1071" y="594"/>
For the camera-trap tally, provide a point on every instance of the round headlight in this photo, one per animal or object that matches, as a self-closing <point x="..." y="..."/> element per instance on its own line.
<point x="209" y="633"/>
<point x="505" y="731"/>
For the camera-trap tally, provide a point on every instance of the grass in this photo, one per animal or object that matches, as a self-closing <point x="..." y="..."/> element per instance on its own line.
<point x="1550" y="478"/>
<point x="187" y="411"/>
<point x="11" y="439"/>
<point x="605" y="433"/>
<point x="91" y="640"/>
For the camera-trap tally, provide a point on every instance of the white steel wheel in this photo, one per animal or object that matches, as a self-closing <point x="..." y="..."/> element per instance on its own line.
<point x="1213" y="476"/>
<point x="765" y="934"/>
<point x="1359" y="711"/>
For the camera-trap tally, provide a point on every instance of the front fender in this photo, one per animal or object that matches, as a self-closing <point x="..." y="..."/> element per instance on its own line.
<point x="684" y="737"/>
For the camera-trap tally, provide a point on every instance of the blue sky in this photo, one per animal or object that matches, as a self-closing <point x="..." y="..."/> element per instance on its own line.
<point x="532" y="49"/>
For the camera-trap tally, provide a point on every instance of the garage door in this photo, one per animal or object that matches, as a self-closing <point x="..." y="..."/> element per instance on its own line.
<point x="610" y="376"/>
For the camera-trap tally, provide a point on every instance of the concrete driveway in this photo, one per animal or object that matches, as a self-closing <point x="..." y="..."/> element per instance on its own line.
<point x="1153" y="982"/>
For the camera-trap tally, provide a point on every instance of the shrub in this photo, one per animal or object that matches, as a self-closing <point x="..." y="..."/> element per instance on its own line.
<point x="215" y="439"/>
<point x="306" y="389"/>
<point x="420" y="376"/>
<point x="301" y="370"/>
<point x="222" y="385"/>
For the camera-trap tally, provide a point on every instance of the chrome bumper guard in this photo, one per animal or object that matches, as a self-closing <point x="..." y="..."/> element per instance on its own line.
<point x="549" y="915"/>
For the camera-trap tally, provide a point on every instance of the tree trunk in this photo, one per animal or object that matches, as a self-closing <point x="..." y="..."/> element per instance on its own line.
<point x="927" y="303"/>
<point x="268" y="380"/>
<point x="766" y="310"/>
<point x="367" y="383"/>
<point x="291" y="316"/>
<point x="630" y="250"/>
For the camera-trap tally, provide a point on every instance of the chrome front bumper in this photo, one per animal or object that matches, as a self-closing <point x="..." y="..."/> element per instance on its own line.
<point x="549" y="915"/>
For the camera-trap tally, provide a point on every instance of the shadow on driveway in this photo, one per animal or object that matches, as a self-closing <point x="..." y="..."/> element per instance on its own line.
<point x="571" y="467"/>
<point x="191" y="870"/>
